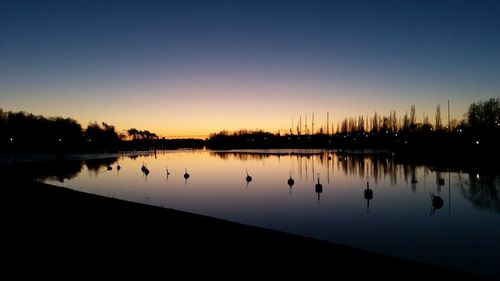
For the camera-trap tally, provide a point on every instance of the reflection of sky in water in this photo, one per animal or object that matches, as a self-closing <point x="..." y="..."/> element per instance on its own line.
<point x="399" y="221"/>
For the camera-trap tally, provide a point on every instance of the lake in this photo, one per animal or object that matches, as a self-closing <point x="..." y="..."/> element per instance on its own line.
<point x="398" y="217"/>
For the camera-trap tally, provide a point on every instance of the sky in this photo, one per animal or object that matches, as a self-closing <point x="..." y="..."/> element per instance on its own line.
<point x="190" y="68"/>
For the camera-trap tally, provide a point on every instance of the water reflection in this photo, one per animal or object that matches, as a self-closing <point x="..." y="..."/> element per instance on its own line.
<point x="96" y="166"/>
<point x="333" y="195"/>
<point x="481" y="190"/>
<point x="58" y="171"/>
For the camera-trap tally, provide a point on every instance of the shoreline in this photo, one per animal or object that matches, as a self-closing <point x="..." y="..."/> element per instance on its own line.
<point x="54" y="156"/>
<point x="59" y="233"/>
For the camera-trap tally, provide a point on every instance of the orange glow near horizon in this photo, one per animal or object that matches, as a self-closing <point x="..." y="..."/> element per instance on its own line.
<point x="195" y="108"/>
<point x="191" y="68"/>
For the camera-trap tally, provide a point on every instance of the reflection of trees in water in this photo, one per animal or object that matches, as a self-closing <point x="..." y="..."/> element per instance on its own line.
<point x="482" y="191"/>
<point x="95" y="165"/>
<point x="50" y="170"/>
<point x="53" y="170"/>
<point x="245" y="156"/>
<point x="133" y="156"/>
<point x="376" y="167"/>
<point x="242" y="156"/>
<point x="60" y="171"/>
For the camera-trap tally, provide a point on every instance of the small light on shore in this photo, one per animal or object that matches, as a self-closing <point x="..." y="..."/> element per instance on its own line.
<point x="477" y="176"/>
<point x="477" y="142"/>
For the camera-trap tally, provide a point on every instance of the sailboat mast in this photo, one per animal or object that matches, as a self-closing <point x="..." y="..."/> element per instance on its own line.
<point x="312" y="129"/>
<point x="327" y="123"/>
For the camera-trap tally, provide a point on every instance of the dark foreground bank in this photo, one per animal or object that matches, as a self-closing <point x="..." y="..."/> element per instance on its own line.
<point x="55" y="233"/>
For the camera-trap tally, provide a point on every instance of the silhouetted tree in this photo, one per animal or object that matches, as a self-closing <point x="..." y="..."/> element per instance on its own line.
<point x="104" y="135"/>
<point x="361" y="124"/>
<point x="375" y="123"/>
<point x="406" y="123"/>
<point x="413" y="118"/>
<point x="133" y="132"/>
<point x="31" y="132"/>
<point x="426" y="126"/>
<point x="484" y="115"/>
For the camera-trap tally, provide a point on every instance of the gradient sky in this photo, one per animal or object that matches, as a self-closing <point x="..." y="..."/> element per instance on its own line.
<point x="193" y="67"/>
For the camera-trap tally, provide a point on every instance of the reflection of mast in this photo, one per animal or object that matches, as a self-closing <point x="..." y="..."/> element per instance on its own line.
<point x="328" y="169"/>
<point x="306" y="168"/>
<point x="312" y="160"/>
<point x="425" y="174"/>
<point x="299" y="160"/>
<point x="449" y="193"/>
<point x="413" y="179"/>
<point x="333" y="164"/>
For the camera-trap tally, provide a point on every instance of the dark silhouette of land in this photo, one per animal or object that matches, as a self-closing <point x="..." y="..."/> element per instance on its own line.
<point x="477" y="134"/>
<point x="56" y="233"/>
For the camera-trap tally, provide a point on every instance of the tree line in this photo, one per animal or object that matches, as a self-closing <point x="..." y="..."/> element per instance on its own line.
<point x="478" y="130"/>
<point x="28" y="132"/>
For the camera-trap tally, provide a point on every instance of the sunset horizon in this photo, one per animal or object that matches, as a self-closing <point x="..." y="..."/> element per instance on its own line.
<point x="191" y="68"/>
<point x="250" y="139"/>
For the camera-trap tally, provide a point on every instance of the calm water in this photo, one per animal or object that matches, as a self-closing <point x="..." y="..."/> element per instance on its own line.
<point x="399" y="220"/>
